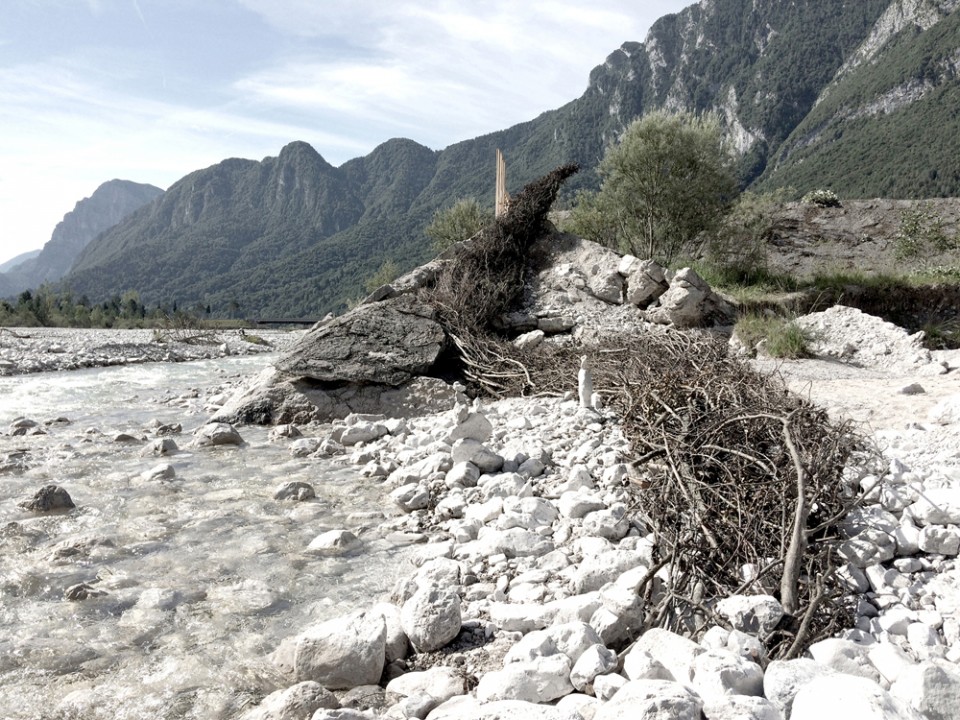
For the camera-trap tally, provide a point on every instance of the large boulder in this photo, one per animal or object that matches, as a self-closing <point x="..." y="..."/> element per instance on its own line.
<point x="387" y="343"/>
<point x="342" y="653"/>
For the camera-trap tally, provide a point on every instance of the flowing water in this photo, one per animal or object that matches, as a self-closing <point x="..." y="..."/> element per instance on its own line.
<point x="202" y="575"/>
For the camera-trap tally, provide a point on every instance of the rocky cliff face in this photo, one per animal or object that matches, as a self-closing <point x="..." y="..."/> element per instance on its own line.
<point x="108" y="205"/>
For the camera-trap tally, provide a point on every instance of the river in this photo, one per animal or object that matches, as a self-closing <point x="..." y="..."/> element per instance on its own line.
<point x="202" y="575"/>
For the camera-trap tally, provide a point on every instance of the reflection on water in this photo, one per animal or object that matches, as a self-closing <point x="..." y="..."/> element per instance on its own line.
<point x="191" y="581"/>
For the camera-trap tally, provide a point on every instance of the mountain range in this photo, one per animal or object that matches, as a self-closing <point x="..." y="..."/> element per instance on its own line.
<point x="108" y="205"/>
<point x="857" y="96"/>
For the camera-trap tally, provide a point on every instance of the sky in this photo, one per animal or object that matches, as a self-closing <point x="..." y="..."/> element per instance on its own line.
<point x="151" y="90"/>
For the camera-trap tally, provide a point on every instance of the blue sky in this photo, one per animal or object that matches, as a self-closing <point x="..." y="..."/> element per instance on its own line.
<point x="150" y="90"/>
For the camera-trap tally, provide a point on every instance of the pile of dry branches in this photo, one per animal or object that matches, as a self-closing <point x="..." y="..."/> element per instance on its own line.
<point x="739" y="480"/>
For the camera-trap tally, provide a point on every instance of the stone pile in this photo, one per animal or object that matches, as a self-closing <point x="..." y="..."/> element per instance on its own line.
<point x="525" y="600"/>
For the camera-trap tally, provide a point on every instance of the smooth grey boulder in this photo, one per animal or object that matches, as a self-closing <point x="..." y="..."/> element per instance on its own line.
<point x="217" y="433"/>
<point x="342" y="653"/>
<point x="387" y="343"/>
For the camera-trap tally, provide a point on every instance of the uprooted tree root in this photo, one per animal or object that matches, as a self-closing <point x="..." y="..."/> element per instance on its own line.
<point x="739" y="480"/>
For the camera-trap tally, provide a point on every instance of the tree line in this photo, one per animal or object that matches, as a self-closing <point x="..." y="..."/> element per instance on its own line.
<point x="47" y="307"/>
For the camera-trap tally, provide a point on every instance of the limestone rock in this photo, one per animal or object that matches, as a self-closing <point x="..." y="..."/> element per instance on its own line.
<point x="845" y="696"/>
<point x="296" y="702"/>
<point x="334" y="543"/>
<point x="784" y="678"/>
<point x="540" y="680"/>
<point x="757" y="614"/>
<point x="294" y="490"/>
<point x="387" y="343"/>
<point x="652" y="699"/>
<point x="342" y="653"/>
<point x="431" y="618"/>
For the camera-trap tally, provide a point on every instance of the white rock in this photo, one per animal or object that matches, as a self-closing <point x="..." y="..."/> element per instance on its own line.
<point x="342" y="653"/>
<point x="431" y="618"/>
<point x="475" y="426"/>
<point x="529" y="513"/>
<point x="464" y="474"/>
<point x="939" y="540"/>
<point x="505" y="485"/>
<point x="740" y="707"/>
<point x="164" y="471"/>
<point x="923" y="639"/>
<point x="611" y="523"/>
<point x="577" y="706"/>
<point x="465" y="707"/>
<point x="868" y="548"/>
<point x="296" y="702"/>
<point x="396" y="644"/>
<point x="468" y="450"/>
<point x="304" y="446"/>
<point x="521" y="618"/>
<point x="651" y="700"/>
<point x="640" y="665"/>
<point x="530" y="340"/>
<point x="784" y="678"/>
<point x="674" y="652"/>
<point x="846" y="696"/>
<point x="540" y="680"/>
<point x="606" y="686"/>
<point x="362" y="432"/>
<point x="575" y="608"/>
<point x="217" y="433"/>
<point x="294" y="490"/>
<point x="907" y="538"/>
<point x="756" y="614"/>
<point x="721" y="672"/>
<point x="931" y="688"/>
<point x="441" y="683"/>
<point x="889" y="660"/>
<point x="596" y="571"/>
<point x="937" y="506"/>
<point x="845" y="657"/>
<point x="413" y="496"/>
<point x="595" y="660"/>
<point x="333" y="543"/>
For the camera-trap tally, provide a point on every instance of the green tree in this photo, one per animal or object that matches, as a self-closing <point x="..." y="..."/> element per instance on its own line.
<point x="461" y="221"/>
<point x="666" y="183"/>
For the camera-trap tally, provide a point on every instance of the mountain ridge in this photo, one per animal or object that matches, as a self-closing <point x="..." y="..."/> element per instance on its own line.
<point x="295" y="235"/>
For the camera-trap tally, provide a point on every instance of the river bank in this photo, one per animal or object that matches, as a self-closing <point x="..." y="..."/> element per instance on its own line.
<point x="31" y="350"/>
<point x="521" y="558"/>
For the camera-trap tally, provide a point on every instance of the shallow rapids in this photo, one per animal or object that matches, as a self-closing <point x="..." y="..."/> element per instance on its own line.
<point x="201" y="576"/>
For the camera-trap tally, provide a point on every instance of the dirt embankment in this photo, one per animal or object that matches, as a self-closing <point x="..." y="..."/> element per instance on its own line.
<point x="858" y="237"/>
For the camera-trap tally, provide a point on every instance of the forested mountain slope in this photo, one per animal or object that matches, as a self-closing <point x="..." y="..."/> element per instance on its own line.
<point x="859" y="96"/>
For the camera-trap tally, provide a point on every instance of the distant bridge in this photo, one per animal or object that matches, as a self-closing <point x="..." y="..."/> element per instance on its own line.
<point x="283" y="321"/>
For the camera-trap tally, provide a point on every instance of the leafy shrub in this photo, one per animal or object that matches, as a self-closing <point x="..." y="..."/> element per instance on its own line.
<point x="821" y="198"/>
<point x="921" y="230"/>
<point x="739" y="247"/>
<point x="461" y="221"/>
